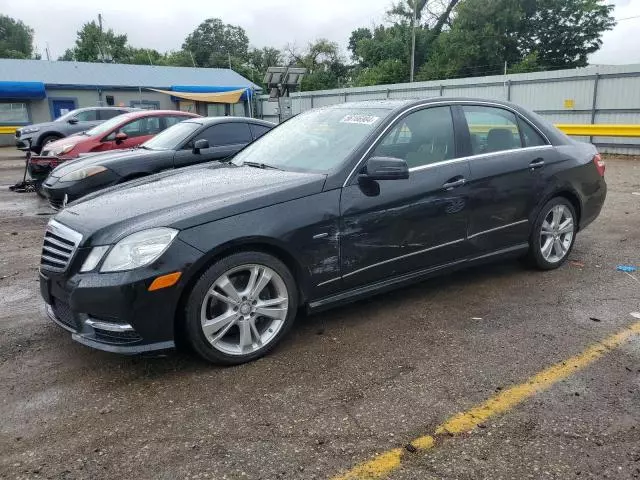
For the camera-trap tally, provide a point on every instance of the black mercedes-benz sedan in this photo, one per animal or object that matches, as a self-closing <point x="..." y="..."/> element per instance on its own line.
<point x="333" y="205"/>
<point x="186" y="143"/>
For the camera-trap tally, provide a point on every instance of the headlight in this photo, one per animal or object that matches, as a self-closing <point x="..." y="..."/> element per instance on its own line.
<point x="94" y="258"/>
<point x="64" y="149"/>
<point x="29" y="130"/>
<point x="82" y="173"/>
<point x="138" y="249"/>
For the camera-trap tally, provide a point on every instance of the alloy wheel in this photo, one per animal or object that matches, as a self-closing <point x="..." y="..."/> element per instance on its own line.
<point x="556" y="233"/>
<point x="244" y="309"/>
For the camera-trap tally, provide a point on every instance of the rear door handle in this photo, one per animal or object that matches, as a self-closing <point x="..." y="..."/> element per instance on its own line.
<point x="451" y="184"/>
<point x="537" y="163"/>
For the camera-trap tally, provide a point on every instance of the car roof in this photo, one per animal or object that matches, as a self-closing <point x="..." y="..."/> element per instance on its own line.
<point x="97" y="107"/>
<point x="150" y="113"/>
<point x="214" y="120"/>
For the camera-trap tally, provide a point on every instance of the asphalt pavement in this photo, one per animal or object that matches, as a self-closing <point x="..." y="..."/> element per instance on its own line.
<point x="347" y="384"/>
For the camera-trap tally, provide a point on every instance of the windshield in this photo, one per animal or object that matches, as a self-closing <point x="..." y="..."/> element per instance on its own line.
<point x="105" y="127"/>
<point x="66" y="116"/>
<point x="316" y="141"/>
<point x="172" y="137"/>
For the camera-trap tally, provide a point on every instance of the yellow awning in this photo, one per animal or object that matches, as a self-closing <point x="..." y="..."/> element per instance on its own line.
<point x="219" y="97"/>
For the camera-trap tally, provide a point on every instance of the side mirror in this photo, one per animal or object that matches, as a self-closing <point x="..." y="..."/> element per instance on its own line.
<point x="121" y="137"/>
<point x="72" y="121"/>
<point x="385" y="168"/>
<point x="200" y="144"/>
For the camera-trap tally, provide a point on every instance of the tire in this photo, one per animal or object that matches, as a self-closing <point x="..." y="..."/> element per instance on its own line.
<point x="249" y="335"/>
<point x="553" y="236"/>
<point x="48" y="139"/>
<point x="38" y="187"/>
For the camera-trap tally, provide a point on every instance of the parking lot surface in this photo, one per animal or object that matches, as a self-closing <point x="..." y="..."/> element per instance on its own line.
<point x="345" y="384"/>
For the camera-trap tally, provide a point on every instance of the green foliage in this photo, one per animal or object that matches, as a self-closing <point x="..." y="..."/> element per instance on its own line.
<point x="92" y="45"/>
<point x="325" y="67"/>
<point x="16" y="38"/>
<point x="213" y="42"/>
<point x="527" y="34"/>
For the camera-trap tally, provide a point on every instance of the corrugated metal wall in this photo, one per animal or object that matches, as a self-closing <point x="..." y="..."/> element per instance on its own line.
<point x="595" y="94"/>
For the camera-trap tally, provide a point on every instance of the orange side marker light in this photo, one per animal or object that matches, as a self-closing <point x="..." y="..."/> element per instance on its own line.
<point x="165" y="281"/>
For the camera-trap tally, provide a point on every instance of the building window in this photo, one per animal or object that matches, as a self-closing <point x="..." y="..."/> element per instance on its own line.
<point x="145" y="104"/>
<point x="14" y="113"/>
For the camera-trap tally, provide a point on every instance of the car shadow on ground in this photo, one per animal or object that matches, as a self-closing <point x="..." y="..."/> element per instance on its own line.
<point x="307" y="327"/>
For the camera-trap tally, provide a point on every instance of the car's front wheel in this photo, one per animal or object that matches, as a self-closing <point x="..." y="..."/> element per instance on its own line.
<point x="553" y="234"/>
<point x="240" y="308"/>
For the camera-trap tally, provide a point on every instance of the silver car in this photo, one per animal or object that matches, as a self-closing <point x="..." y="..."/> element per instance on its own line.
<point x="39" y="134"/>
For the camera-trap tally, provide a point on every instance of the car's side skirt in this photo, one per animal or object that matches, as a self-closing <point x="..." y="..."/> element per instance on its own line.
<point x="364" y="291"/>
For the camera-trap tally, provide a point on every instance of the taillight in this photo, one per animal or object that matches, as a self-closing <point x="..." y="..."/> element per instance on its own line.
<point x="599" y="163"/>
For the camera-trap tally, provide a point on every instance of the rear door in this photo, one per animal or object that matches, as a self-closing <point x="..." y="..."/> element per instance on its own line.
<point x="391" y="227"/>
<point x="507" y="162"/>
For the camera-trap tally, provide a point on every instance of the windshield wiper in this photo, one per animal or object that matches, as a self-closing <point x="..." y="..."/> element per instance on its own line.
<point x="264" y="166"/>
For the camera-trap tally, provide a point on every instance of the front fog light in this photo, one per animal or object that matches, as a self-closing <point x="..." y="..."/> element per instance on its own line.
<point x="94" y="258"/>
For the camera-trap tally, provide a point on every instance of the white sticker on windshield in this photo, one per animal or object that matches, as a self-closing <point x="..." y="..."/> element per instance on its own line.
<point x="361" y="119"/>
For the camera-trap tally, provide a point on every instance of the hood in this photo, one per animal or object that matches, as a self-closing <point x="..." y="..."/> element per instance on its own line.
<point x="70" y="140"/>
<point x="42" y="126"/>
<point x="113" y="160"/>
<point x="184" y="198"/>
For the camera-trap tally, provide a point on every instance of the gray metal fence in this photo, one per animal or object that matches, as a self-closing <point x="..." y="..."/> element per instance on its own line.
<point x="598" y="94"/>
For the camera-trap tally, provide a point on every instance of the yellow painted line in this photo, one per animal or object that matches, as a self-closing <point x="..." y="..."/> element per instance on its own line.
<point x="384" y="463"/>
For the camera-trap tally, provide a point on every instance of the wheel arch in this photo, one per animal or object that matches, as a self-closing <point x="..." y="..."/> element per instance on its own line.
<point x="50" y="133"/>
<point x="259" y="244"/>
<point x="569" y="194"/>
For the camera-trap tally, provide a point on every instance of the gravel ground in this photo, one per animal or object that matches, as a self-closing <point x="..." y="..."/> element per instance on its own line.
<point x="346" y="383"/>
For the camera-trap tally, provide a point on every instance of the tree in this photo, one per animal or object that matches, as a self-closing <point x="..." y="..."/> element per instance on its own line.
<point x="213" y="42"/>
<point x="16" y="38"/>
<point x="325" y="66"/>
<point x="527" y="34"/>
<point x="94" y="45"/>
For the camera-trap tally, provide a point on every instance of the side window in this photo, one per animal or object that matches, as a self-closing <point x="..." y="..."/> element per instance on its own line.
<point x="258" y="130"/>
<point x="492" y="129"/>
<point x="87" y="116"/>
<point x="229" y="134"/>
<point x="421" y="138"/>
<point x="530" y="136"/>
<point x="171" y="120"/>
<point x="142" y="126"/>
<point x="106" y="114"/>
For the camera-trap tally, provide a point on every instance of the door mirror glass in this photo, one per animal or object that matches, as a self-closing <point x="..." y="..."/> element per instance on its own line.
<point x="121" y="137"/>
<point x="386" y="168"/>
<point x="200" y="144"/>
<point x="72" y="120"/>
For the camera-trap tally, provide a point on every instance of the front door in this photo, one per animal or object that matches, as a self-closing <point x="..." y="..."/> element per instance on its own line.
<point x="225" y="140"/>
<point x="62" y="107"/>
<point x="393" y="227"/>
<point x="508" y="158"/>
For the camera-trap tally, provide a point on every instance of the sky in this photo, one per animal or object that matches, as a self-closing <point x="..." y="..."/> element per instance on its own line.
<point x="163" y="25"/>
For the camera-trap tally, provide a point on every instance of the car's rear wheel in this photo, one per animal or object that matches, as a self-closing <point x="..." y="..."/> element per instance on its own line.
<point x="240" y="308"/>
<point x="553" y="234"/>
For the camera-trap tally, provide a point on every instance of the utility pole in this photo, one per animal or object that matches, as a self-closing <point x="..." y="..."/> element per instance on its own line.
<point x="46" y="51"/>
<point x="101" y="53"/>
<point x="192" y="59"/>
<point x="229" y="55"/>
<point x="413" y="39"/>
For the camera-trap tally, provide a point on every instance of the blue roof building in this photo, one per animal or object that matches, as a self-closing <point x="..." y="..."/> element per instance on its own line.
<point x="33" y="91"/>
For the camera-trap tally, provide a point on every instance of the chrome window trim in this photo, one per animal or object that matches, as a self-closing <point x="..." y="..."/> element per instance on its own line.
<point x="513" y="224"/>
<point x="478" y="156"/>
<point x="447" y="103"/>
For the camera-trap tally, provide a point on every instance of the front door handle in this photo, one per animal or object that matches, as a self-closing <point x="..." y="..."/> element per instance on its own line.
<point x="451" y="184"/>
<point x="537" y="163"/>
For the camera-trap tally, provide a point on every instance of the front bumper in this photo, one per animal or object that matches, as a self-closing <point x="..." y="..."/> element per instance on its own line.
<point x="39" y="167"/>
<point x="115" y="312"/>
